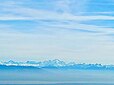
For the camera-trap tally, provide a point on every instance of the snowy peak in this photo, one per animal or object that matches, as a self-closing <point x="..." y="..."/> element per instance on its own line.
<point x="54" y="63"/>
<point x="11" y="62"/>
<point x="57" y="64"/>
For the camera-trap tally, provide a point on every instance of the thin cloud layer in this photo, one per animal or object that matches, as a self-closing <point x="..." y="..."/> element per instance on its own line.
<point x="67" y="29"/>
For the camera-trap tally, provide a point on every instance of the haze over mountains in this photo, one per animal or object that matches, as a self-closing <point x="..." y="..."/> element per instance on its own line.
<point x="54" y="71"/>
<point x="55" y="64"/>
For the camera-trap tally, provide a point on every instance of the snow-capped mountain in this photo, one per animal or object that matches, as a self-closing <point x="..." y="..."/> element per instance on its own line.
<point x="55" y="63"/>
<point x="11" y="62"/>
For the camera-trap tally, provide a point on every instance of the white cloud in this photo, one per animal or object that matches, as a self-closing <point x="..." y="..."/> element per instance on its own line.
<point x="22" y="12"/>
<point x="61" y="42"/>
<point x="35" y="14"/>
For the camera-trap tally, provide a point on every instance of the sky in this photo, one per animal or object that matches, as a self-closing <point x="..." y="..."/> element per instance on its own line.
<point x="81" y="31"/>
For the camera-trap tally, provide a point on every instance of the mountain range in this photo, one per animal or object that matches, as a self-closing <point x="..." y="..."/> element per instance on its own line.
<point x="56" y="64"/>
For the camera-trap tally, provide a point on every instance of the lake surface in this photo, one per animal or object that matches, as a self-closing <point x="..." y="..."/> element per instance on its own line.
<point x="56" y="77"/>
<point x="65" y="84"/>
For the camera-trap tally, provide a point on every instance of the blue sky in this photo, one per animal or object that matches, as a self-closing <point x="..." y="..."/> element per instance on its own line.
<point x="70" y="30"/>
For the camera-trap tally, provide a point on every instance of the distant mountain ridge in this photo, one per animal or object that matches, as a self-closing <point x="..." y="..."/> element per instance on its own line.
<point x="56" y="64"/>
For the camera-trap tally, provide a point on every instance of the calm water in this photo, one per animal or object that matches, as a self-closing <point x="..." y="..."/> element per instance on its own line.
<point x="65" y="84"/>
<point x="56" y="77"/>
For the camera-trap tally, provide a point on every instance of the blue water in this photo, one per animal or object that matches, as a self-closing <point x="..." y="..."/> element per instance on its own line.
<point x="65" y="84"/>
<point x="56" y="77"/>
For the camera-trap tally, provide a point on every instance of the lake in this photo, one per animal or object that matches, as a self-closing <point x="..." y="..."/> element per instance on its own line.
<point x="57" y="77"/>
